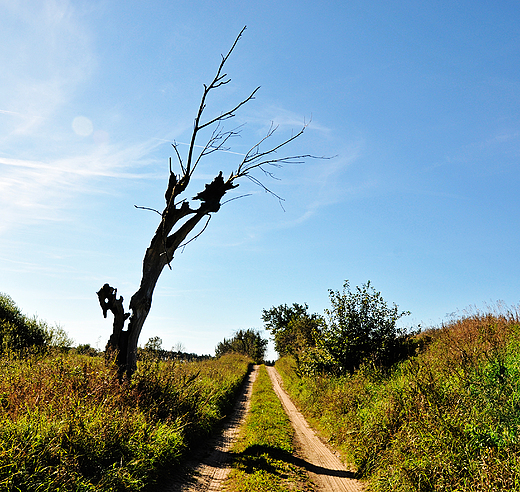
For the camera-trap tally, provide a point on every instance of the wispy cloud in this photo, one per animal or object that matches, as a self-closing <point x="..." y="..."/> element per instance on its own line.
<point x="326" y="184"/>
<point x="500" y="146"/>
<point x="32" y="191"/>
<point x="283" y="118"/>
<point x="316" y="185"/>
<point x="47" y="57"/>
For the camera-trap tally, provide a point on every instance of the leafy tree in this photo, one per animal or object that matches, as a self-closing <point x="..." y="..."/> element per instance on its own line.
<point x="154" y="344"/>
<point x="153" y="350"/>
<point x="292" y="327"/>
<point x="360" y="326"/>
<point x="17" y="331"/>
<point x="180" y="217"/>
<point x="246" y="342"/>
<point x="57" y="337"/>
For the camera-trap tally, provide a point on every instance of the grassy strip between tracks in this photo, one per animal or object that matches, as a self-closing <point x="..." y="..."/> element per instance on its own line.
<point x="264" y="458"/>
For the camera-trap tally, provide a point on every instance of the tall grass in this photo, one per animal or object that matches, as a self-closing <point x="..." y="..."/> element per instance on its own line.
<point x="447" y="419"/>
<point x="67" y="424"/>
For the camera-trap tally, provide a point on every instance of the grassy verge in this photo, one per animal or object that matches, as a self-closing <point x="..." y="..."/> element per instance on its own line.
<point x="264" y="452"/>
<point x="67" y="424"/>
<point x="448" y="419"/>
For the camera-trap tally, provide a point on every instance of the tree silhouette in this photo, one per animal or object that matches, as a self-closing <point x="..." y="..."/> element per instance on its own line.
<point x="179" y="217"/>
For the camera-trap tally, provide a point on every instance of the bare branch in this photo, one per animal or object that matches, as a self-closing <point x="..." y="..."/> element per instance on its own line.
<point x="259" y="183"/>
<point x="195" y="237"/>
<point x="174" y="145"/>
<point x="236" y="198"/>
<point x="216" y="142"/>
<point x="219" y="80"/>
<point x="229" y="114"/>
<point x="224" y="58"/>
<point x="151" y="209"/>
<point x="253" y="158"/>
<point x="268" y="173"/>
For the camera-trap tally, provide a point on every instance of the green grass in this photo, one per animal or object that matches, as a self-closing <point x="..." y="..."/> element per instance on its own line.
<point x="67" y="424"/>
<point x="264" y="458"/>
<point x="445" y="420"/>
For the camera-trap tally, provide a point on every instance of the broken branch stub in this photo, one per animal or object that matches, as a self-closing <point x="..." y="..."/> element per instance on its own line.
<point x="108" y="301"/>
<point x="213" y="192"/>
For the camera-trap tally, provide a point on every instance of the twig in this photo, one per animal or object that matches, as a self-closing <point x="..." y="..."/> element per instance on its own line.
<point x="236" y="198"/>
<point x="195" y="237"/>
<point x="148" y="208"/>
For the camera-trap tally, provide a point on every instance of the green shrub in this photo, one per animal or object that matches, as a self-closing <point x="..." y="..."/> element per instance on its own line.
<point x="360" y="327"/>
<point x="17" y="332"/>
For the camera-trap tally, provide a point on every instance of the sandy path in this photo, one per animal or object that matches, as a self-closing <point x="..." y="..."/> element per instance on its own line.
<point x="324" y="467"/>
<point x="207" y="471"/>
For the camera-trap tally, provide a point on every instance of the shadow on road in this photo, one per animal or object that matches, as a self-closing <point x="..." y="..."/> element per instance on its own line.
<point x="259" y="457"/>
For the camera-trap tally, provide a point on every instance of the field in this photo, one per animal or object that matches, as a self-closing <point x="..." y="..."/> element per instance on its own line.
<point x="447" y="419"/>
<point x="66" y="423"/>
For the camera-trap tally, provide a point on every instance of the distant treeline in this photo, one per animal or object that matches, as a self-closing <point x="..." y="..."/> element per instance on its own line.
<point x="22" y="333"/>
<point x="153" y="348"/>
<point x="245" y="342"/>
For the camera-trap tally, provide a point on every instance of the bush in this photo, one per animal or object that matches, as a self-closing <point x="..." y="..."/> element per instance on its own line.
<point x="360" y="327"/>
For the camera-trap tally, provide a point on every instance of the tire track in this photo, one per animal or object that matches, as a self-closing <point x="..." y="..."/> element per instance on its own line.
<point x="325" y="468"/>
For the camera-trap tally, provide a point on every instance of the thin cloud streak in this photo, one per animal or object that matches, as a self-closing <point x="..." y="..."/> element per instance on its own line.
<point x="282" y="118"/>
<point x="32" y="191"/>
<point x="16" y="113"/>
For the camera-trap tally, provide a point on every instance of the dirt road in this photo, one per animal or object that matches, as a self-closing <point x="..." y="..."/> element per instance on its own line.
<point x="208" y="470"/>
<point x="324" y="467"/>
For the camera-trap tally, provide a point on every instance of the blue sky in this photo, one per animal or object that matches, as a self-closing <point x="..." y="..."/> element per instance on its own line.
<point x="418" y="101"/>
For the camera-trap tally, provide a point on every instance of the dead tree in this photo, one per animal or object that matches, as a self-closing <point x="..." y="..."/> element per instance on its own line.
<point x="179" y="217"/>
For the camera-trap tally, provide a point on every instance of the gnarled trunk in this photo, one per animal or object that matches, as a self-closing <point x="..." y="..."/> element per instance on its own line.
<point x="124" y="342"/>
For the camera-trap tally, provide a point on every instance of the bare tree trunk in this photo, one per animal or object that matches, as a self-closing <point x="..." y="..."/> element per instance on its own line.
<point x="157" y="256"/>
